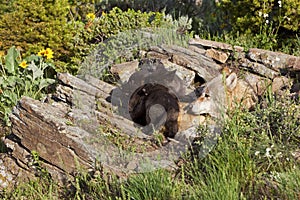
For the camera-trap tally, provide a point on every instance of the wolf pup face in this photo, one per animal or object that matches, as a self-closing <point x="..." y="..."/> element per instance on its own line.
<point x="213" y="98"/>
<point x="222" y="93"/>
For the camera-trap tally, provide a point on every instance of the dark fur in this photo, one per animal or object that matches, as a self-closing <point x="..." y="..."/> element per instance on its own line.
<point x="148" y="95"/>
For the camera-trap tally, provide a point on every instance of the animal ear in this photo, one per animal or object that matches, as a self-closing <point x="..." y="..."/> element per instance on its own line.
<point x="231" y="81"/>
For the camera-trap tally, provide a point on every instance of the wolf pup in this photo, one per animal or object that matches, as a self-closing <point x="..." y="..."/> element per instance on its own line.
<point x="174" y="118"/>
<point x="223" y="92"/>
<point x="145" y="97"/>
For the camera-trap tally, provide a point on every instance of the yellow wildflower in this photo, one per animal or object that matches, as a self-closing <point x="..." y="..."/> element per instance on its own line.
<point x="48" y="53"/>
<point x="23" y="64"/>
<point x="91" y="16"/>
<point x="2" y="53"/>
<point x="103" y="13"/>
<point x="41" y="52"/>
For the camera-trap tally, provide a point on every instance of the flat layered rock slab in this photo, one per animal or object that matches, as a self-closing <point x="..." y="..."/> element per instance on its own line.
<point x="43" y="128"/>
<point x="274" y="60"/>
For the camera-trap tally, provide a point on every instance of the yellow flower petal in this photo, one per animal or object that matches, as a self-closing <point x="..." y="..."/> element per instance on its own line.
<point x="23" y="64"/>
<point x="48" y="53"/>
<point x="91" y="16"/>
<point x="41" y="52"/>
<point x="2" y="53"/>
<point x="49" y="56"/>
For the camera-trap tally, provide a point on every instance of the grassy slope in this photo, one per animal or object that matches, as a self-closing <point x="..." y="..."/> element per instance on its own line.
<point x="253" y="160"/>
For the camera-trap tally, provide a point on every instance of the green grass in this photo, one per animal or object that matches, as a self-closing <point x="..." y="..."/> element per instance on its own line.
<point x="253" y="160"/>
<point x="268" y="38"/>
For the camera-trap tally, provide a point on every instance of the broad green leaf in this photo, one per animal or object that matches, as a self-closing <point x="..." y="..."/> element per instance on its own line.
<point x="34" y="58"/>
<point x="36" y="72"/>
<point x="11" y="64"/>
<point x="45" y="82"/>
<point x="10" y="96"/>
<point x="12" y="81"/>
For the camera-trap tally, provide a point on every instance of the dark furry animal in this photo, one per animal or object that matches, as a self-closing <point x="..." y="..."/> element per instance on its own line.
<point x="149" y="95"/>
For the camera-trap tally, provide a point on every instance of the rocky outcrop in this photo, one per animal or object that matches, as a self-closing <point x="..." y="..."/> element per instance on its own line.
<point x="77" y="126"/>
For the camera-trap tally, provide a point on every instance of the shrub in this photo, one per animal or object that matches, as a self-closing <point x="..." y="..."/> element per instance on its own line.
<point x="264" y="24"/>
<point x="95" y="29"/>
<point x="200" y="11"/>
<point x="80" y="8"/>
<point x="59" y="25"/>
<point x="5" y="6"/>
<point x="116" y="21"/>
<point x="249" y="15"/>
<point x="35" y="24"/>
<point x="22" y="77"/>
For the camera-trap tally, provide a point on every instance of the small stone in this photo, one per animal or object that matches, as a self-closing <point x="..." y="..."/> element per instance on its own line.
<point x="125" y="70"/>
<point x="131" y="165"/>
<point x="186" y="75"/>
<point x="279" y="83"/>
<point x="217" y="55"/>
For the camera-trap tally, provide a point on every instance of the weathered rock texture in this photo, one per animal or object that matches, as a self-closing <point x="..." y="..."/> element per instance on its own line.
<point x="76" y="125"/>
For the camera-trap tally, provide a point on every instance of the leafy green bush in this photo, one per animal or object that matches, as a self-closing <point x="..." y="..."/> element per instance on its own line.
<point x="32" y="25"/>
<point x="59" y="25"/>
<point x="250" y="15"/>
<point x="95" y="30"/>
<point x="80" y="8"/>
<point x="5" y="6"/>
<point x="22" y="77"/>
<point x="250" y="24"/>
<point x="200" y="11"/>
<point x="116" y="21"/>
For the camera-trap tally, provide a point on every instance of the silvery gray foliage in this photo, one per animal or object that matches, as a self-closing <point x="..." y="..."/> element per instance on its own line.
<point x="126" y="45"/>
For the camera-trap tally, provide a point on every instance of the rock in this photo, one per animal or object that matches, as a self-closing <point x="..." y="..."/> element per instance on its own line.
<point x="11" y="173"/>
<point x="279" y="83"/>
<point x="53" y="138"/>
<point x="257" y="83"/>
<point x="186" y="75"/>
<point x="154" y="54"/>
<point x="203" y="66"/>
<point x="216" y="45"/>
<point x="197" y="49"/>
<point x="125" y="70"/>
<point x="217" y="55"/>
<point x="258" y="68"/>
<point x="78" y="126"/>
<point x="132" y="165"/>
<point x="71" y="136"/>
<point x="274" y="60"/>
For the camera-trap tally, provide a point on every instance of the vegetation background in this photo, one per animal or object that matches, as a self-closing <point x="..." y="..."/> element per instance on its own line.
<point x="255" y="157"/>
